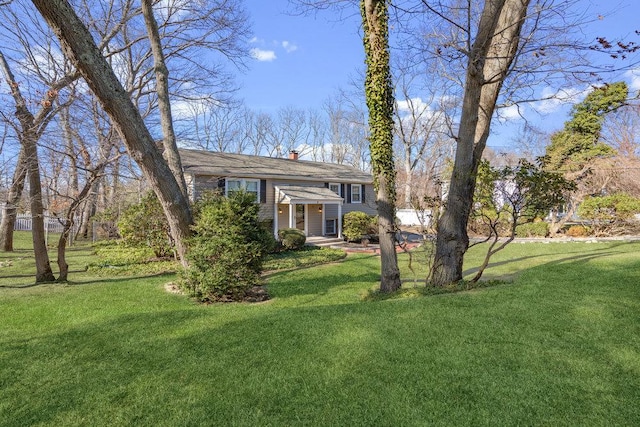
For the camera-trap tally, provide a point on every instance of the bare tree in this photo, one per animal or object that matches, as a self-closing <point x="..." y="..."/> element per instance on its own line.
<point x="218" y="127"/>
<point x="164" y="103"/>
<point x="423" y="126"/>
<point x="347" y="140"/>
<point x="78" y="45"/>
<point x="621" y="130"/>
<point x="30" y="130"/>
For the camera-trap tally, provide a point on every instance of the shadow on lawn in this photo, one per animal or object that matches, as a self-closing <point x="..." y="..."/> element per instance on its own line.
<point x="609" y="248"/>
<point x="584" y="257"/>
<point x="289" y="283"/>
<point x="82" y="282"/>
<point x="146" y="367"/>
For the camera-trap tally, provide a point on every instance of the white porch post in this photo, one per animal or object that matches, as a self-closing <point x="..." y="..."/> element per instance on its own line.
<point x="339" y="220"/>
<point x="306" y="220"/>
<point x="292" y="215"/>
<point x="324" y="222"/>
<point x="275" y="220"/>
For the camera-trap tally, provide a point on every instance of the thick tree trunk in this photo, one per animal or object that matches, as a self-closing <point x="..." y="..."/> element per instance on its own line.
<point x="79" y="46"/>
<point x="43" y="266"/>
<point x="379" y="95"/>
<point x="490" y="60"/>
<point x="11" y="207"/>
<point x="164" y="103"/>
<point x="31" y="129"/>
<point x="390" y="273"/>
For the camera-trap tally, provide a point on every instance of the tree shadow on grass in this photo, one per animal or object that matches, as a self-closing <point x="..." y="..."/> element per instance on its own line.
<point x="83" y="282"/>
<point x="157" y="366"/>
<point x="609" y="248"/>
<point x="318" y="283"/>
<point x="509" y="276"/>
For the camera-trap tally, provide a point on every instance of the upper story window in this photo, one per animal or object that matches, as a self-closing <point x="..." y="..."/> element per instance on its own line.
<point x="335" y="188"/>
<point x="251" y="186"/>
<point x="356" y="193"/>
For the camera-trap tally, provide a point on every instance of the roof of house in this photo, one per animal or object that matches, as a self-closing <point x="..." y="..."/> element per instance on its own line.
<point x="199" y="162"/>
<point x="300" y="195"/>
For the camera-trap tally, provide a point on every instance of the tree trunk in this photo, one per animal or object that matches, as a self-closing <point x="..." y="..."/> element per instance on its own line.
<point x="89" y="209"/>
<point x="164" y="103"/>
<point x="79" y="46"/>
<point x="408" y="179"/>
<point x="489" y="62"/>
<point x="69" y="220"/>
<point x="379" y="95"/>
<point x="13" y="198"/>
<point x="43" y="266"/>
<point x="31" y="128"/>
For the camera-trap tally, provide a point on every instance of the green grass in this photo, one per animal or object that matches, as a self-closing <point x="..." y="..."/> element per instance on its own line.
<point x="558" y="344"/>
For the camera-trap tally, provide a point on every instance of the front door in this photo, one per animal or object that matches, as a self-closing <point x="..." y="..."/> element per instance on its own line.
<point x="300" y="217"/>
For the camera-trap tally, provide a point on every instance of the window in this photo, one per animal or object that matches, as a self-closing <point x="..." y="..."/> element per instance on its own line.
<point x="251" y="186"/>
<point x="335" y="188"/>
<point x="356" y="193"/>
<point x="330" y="226"/>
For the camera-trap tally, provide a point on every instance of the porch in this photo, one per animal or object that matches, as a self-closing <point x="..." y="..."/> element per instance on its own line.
<point x="317" y="211"/>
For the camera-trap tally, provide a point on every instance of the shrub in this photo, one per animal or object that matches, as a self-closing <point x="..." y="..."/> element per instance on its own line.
<point x="577" y="231"/>
<point x="532" y="229"/>
<point x="144" y="224"/>
<point x="292" y="238"/>
<point x="609" y="214"/>
<point x="225" y="254"/>
<point x="356" y="225"/>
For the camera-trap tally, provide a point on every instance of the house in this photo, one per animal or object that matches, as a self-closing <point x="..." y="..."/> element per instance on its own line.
<point x="293" y="193"/>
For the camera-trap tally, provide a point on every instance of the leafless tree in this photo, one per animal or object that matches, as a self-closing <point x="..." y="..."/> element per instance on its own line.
<point x="78" y="45"/>
<point x="162" y="90"/>
<point x="423" y="144"/>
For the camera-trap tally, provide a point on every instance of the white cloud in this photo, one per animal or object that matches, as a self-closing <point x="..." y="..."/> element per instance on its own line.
<point x="289" y="47"/>
<point x="263" y="55"/>
<point x="512" y="112"/>
<point x="553" y="101"/>
<point x="414" y="104"/>
<point x="633" y="76"/>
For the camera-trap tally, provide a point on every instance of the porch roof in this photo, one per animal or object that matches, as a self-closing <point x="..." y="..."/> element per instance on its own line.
<point x="301" y="195"/>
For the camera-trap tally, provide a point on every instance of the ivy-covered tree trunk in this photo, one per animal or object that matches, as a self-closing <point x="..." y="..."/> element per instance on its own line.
<point x="379" y="96"/>
<point x="489" y="62"/>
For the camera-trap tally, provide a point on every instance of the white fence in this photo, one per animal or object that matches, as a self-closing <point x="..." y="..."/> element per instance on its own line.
<point x="414" y="217"/>
<point x="24" y="222"/>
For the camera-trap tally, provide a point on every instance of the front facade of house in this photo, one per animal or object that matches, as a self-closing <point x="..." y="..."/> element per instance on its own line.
<point x="310" y="196"/>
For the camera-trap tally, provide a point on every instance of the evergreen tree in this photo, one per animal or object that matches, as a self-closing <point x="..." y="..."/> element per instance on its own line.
<point x="572" y="148"/>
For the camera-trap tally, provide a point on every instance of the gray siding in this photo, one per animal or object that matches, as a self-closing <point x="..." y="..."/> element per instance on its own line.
<point x="200" y="183"/>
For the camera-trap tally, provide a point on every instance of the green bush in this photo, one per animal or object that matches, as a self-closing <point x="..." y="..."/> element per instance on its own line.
<point x="292" y="238"/>
<point x="532" y="229"/>
<point x="614" y="207"/>
<point x="356" y="225"/>
<point x="144" y="224"/>
<point x="609" y="214"/>
<point x="226" y="252"/>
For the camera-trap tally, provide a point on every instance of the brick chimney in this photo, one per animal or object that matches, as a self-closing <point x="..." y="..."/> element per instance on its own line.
<point x="293" y="155"/>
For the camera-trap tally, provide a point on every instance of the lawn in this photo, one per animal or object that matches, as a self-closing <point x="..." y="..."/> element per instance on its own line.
<point x="557" y="344"/>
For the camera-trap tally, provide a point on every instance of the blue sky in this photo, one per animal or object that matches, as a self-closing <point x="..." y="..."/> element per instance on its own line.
<point x="301" y="60"/>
